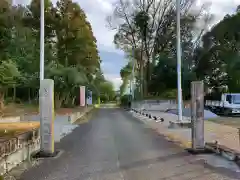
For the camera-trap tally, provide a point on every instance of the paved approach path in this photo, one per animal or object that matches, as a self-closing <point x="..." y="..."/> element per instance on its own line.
<point x="115" y="146"/>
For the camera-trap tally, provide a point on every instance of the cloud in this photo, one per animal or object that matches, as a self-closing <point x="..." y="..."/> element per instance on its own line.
<point x="115" y="79"/>
<point x="219" y="8"/>
<point x="111" y="65"/>
<point x="97" y="11"/>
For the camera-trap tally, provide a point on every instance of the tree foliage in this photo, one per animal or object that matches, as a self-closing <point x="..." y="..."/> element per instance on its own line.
<point x="148" y="28"/>
<point x="107" y="92"/>
<point x="71" y="55"/>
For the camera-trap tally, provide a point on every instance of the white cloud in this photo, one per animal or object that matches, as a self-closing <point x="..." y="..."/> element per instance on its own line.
<point x="21" y="2"/>
<point x="97" y="11"/>
<point x="115" y="79"/>
<point x="219" y="8"/>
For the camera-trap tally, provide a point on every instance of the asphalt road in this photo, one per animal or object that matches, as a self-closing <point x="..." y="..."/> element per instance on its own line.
<point x="115" y="146"/>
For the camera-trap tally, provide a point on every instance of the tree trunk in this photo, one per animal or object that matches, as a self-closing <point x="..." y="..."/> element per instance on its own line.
<point x="146" y="80"/>
<point x="66" y="100"/>
<point x="14" y="93"/>
<point x="141" y="81"/>
<point x="29" y="95"/>
<point x="73" y="100"/>
<point x="7" y="92"/>
<point x="2" y="94"/>
<point x="58" y="100"/>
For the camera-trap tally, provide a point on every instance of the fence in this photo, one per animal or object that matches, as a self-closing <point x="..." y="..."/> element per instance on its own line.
<point x="17" y="149"/>
<point x="155" y="105"/>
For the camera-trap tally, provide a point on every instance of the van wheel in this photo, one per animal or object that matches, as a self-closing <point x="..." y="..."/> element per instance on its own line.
<point x="227" y="112"/>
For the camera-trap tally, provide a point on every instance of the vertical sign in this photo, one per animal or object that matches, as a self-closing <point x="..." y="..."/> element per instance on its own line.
<point x="89" y="99"/>
<point x="82" y="96"/>
<point x="46" y="103"/>
<point x="197" y="114"/>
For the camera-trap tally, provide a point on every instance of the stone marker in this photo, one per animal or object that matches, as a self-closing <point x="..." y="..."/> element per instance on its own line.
<point x="82" y="96"/>
<point x="89" y="98"/>
<point x="197" y="115"/>
<point x="46" y="103"/>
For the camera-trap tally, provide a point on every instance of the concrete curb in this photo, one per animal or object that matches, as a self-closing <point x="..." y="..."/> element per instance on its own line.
<point x="168" y="136"/>
<point x="78" y="115"/>
<point x="224" y="151"/>
<point x="10" y="119"/>
<point x="148" y="115"/>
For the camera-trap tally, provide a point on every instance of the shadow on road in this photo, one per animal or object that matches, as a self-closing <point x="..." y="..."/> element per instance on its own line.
<point x="203" y="168"/>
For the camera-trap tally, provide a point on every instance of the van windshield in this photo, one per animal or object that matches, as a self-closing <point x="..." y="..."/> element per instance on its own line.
<point x="236" y="99"/>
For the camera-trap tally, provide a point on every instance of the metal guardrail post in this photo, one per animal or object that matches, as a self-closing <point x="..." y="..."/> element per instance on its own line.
<point x="239" y="135"/>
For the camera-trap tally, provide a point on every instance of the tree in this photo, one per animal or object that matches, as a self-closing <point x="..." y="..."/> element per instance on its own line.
<point x="71" y="55"/>
<point x="125" y="74"/>
<point x="217" y="61"/>
<point x="107" y="91"/>
<point x="8" y="76"/>
<point x="150" y="28"/>
<point x="6" y="24"/>
<point x="66" y="80"/>
<point x="76" y="43"/>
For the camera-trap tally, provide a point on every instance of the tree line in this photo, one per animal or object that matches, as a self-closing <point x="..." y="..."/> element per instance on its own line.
<point x="146" y="32"/>
<point x="71" y="54"/>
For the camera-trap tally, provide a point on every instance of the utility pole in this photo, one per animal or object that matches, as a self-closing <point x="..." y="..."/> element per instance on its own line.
<point x="133" y="75"/>
<point x="41" y="72"/>
<point x="46" y="99"/>
<point x="42" y="42"/>
<point x="179" y="52"/>
<point x="132" y="80"/>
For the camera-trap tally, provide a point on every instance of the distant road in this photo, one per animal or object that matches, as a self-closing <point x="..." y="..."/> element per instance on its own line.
<point x="115" y="146"/>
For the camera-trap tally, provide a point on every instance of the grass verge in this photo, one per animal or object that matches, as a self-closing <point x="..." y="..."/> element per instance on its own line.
<point x="8" y="130"/>
<point x="229" y="121"/>
<point x="20" y="109"/>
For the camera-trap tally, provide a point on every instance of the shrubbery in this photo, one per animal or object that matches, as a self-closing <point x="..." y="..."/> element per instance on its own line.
<point x="125" y="99"/>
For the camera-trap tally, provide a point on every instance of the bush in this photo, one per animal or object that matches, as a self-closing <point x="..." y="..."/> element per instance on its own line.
<point x="103" y="98"/>
<point x="169" y="94"/>
<point x="125" y="99"/>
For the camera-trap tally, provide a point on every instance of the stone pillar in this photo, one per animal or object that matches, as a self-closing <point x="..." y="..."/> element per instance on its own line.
<point x="197" y="115"/>
<point x="82" y="96"/>
<point x="47" y="116"/>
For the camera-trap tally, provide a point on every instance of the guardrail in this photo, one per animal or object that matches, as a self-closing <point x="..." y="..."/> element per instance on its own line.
<point x="155" y="105"/>
<point x="213" y="103"/>
<point x="9" y="145"/>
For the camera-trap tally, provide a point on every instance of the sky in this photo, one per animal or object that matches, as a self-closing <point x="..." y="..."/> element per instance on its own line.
<point x="113" y="59"/>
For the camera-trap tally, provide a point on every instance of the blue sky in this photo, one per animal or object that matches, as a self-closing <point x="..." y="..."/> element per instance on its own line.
<point x="112" y="58"/>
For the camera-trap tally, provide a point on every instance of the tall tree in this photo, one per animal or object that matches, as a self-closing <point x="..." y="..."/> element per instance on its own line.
<point x="71" y="55"/>
<point x="150" y="27"/>
<point x="217" y="61"/>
